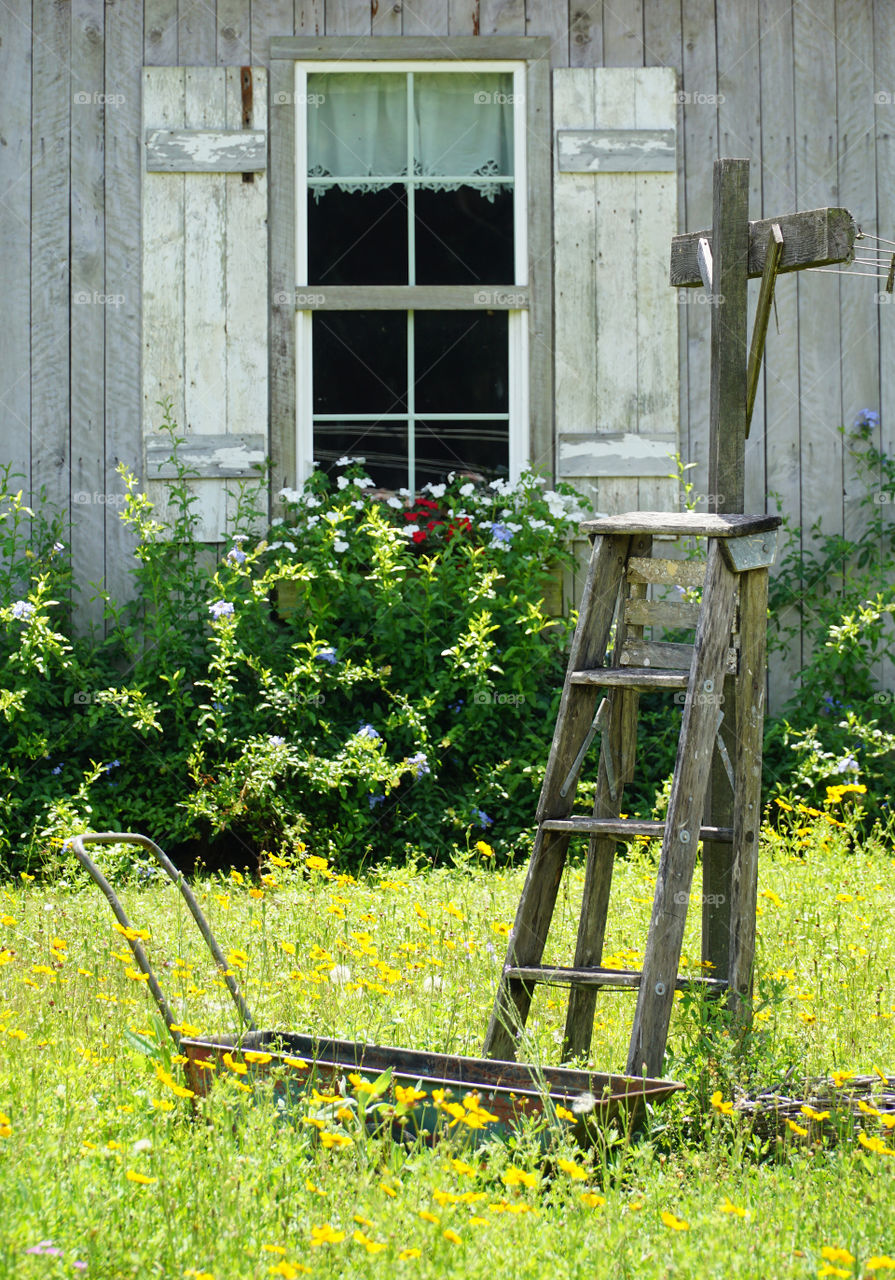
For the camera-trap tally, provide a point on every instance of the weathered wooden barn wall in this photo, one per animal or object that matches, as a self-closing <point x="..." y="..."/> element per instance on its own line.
<point x="806" y="91"/>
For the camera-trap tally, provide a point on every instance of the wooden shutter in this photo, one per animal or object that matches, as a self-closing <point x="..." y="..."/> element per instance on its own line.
<point x="615" y="211"/>
<point x="205" y="293"/>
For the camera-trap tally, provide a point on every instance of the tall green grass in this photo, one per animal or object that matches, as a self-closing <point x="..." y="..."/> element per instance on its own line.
<point x="106" y="1171"/>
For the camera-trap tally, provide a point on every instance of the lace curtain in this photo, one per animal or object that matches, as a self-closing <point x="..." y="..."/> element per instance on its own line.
<point x="461" y="125"/>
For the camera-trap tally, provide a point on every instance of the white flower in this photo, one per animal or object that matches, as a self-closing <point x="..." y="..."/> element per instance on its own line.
<point x="404" y="493"/>
<point x="339" y="974"/>
<point x="411" y="529"/>
<point x="358" y="506"/>
<point x="290" y="495"/>
<point x="432" y="983"/>
<point x="396" y="503"/>
<point x="142" y="1144"/>
<point x="436" y="490"/>
<point x="290" y="546"/>
<point x="312" y="501"/>
<point x="339" y="546"/>
<point x="467" y="489"/>
<point x="274" y="546"/>
<point x="312" y="520"/>
<point x="275" y="524"/>
<point x="364" y="482"/>
<point x="343" y="482"/>
<point x="333" y="516"/>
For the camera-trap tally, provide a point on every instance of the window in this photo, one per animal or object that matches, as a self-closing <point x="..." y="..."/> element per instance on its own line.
<point x="411" y="272"/>
<point x="412" y="252"/>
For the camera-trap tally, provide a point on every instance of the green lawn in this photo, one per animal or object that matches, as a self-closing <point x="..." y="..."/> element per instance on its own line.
<point x="106" y="1171"/>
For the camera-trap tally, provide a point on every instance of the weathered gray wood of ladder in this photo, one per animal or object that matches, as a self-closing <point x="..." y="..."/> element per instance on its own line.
<point x="734" y="579"/>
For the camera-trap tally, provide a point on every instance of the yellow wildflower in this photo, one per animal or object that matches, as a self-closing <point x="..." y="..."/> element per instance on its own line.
<point x="239" y="1067"/>
<point x="836" y="1255"/>
<point x="815" y="1115"/>
<point x="592" y="1200"/>
<point x="518" y="1177"/>
<point x="252" y="1055"/>
<point x="325" y="1234"/>
<point x="167" y="1079"/>
<point x="140" y="1178"/>
<point x="371" y="1246"/>
<point x="880" y="1262"/>
<point x="575" y="1171"/>
<point x="676" y="1224"/>
<point x="407" y="1254"/>
<point x="451" y="1236"/>
<point x="729" y="1207"/>
<point x="429" y="1217"/>
<point x="460" y="1166"/>
<point x="797" y="1128"/>
<point x="717" y="1101"/>
<point x="407" y="1097"/>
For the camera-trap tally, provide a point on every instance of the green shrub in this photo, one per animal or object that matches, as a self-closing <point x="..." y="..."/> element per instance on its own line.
<point x="372" y="673"/>
<point x="838" y="592"/>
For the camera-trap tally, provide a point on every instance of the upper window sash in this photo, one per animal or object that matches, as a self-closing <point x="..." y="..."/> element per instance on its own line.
<point x="506" y="299"/>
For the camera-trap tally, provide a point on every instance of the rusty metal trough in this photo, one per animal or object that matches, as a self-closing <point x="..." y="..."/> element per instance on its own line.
<point x="509" y="1092"/>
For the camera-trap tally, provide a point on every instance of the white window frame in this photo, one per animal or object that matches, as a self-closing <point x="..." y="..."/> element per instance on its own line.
<point x="532" y="439"/>
<point x="517" y="327"/>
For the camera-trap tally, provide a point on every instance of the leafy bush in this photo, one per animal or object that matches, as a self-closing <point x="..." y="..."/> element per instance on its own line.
<point x="372" y="674"/>
<point x="838" y="592"/>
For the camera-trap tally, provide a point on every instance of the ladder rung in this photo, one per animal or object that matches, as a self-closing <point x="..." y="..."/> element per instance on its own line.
<point x="632" y="678"/>
<point x="627" y="828"/>
<point x="597" y="977"/>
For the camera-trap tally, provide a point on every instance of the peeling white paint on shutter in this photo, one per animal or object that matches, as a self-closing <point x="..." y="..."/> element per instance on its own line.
<point x="205" y="279"/>
<point x="617" y="406"/>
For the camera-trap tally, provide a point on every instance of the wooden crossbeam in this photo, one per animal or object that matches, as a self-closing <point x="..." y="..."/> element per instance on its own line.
<point x="814" y="238"/>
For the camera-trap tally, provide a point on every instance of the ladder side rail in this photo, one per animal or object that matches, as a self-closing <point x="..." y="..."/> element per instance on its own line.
<point x="669" y="914"/>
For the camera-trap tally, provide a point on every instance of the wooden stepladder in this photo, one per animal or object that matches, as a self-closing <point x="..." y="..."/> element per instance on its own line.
<point x="715" y="793"/>
<point x="730" y="627"/>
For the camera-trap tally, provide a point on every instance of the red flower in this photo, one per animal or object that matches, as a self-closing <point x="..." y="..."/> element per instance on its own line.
<point x="458" y="526"/>
<point x="419" y="536"/>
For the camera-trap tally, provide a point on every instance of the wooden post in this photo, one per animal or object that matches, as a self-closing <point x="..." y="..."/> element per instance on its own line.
<point x="727" y="456"/>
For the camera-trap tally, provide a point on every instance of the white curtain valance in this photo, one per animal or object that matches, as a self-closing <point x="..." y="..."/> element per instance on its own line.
<point x="461" y="127"/>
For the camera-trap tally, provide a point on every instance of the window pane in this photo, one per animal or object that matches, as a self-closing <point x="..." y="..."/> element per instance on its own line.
<point x="357" y="239"/>
<point x="481" y="448"/>
<point x="463" y="123"/>
<point x="360" y="362"/>
<point x="462" y="237"/>
<point x="357" y="124"/>
<point x="382" y="445"/>
<point x="461" y="361"/>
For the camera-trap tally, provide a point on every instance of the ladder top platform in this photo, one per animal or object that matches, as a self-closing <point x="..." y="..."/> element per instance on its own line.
<point x="682" y="524"/>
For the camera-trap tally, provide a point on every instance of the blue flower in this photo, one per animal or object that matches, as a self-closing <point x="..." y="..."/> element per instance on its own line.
<point x="481" y="818"/>
<point x="237" y="555"/>
<point x="326" y="655"/>
<point x="373" y="801"/>
<point x="221" y="609"/>
<point x="115" y="764"/>
<point x="456" y="707"/>
<point x="22" y="609"/>
<point x="420" y="763"/>
<point x="867" y="417"/>
<point x="276" y="741"/>
<point x="367" y="731"/>
<point x="848" y="765"/>
<point x="500" y="533"/>
<point x="57" y="770"/>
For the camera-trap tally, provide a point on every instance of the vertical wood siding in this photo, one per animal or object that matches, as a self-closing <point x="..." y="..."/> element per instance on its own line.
<point x="798" y="88"/>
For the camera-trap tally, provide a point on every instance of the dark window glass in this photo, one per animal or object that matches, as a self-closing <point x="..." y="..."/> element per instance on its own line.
<point x="480" y="448"/>
<point x="359" y="238"/>
<point x="382" y="445"/>
<point x="360" y="362"/>
<point x="461" y="361"/>
<point x="463" y="238"/>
